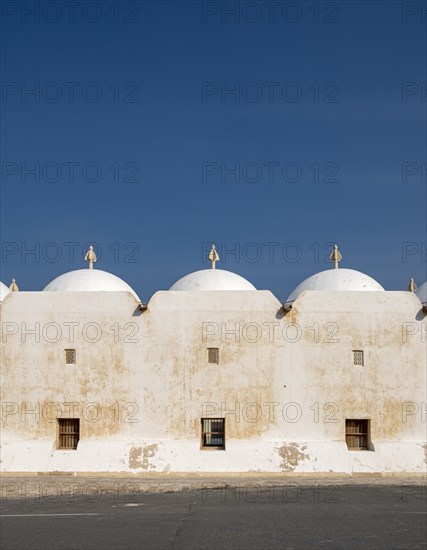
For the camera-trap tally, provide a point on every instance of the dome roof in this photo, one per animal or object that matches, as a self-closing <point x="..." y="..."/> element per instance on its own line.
<point x="212" y="279"/>
<point x="336" y="280"/>
<point x="86" y="280"/>
<point x="421" y="292"/>
<point x="4" y="291"/>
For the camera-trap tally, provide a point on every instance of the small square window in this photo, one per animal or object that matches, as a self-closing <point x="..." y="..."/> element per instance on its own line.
<point x="70" y="356"/>
<point x="68" y="433"/>
<point x="357" y="434"/>
<point x="213" y="355"/>
<point x="358" y="358"/>
<point x="213" y="433"/>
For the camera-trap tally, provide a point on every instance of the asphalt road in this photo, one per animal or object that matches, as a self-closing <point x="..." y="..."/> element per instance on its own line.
<point x="249" y="517"/>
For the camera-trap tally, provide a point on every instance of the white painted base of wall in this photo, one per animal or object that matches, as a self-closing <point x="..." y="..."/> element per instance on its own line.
<point x="163" y="456"/>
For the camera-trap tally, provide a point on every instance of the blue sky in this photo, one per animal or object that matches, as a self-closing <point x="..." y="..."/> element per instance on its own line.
<point x="134" y="131"/>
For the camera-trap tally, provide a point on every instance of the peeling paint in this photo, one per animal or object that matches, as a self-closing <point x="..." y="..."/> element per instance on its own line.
<point x="139" y="457"/>
<point x="292" y="454"/>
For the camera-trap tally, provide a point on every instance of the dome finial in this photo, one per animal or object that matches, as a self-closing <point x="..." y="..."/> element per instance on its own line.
<point x="213" y="256"/>
<point x="13" y="286"/>
<point x="335" y="256"/>
<point x="90" y="257"/>
<point x="412" y="287"/>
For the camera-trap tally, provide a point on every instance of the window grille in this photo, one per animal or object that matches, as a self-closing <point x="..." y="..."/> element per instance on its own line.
<point x="70" y="356"/>
<point x="69" y="433"/>
<point x="358" y="358"/>
<point x="356" y="434"/>
<point x="213" y="355"/>
<point x="213" y="433"/>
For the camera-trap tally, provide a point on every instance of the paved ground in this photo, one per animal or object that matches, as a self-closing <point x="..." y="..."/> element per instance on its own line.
<point x="79" y="514"/>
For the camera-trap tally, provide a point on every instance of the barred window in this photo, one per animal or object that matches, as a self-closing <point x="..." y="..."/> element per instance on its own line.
<point x="68" y="433"/>
<point x="358" y="357"/>
<point x="356" y="434"/>
<point x="213" y="355"/>
<point x="213" y="433"/>
<point x="70" y="356"/>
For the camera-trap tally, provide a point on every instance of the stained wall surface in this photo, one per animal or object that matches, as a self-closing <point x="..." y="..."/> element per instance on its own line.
<point x="285" y="383"/>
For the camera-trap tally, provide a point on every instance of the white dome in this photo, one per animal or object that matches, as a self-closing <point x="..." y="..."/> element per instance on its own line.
<point x="336" y="280"/>
<point x="4" y="291"/>
<point x="86" y="280"/>
<point x="421" y="292"/>
<point x="212" y="279"/>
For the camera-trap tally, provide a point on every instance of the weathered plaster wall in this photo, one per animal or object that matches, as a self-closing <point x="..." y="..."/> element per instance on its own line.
<point x="285" y="383"/>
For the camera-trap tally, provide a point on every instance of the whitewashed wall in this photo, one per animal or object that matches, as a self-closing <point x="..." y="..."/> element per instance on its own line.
<point x="285" y="383"/>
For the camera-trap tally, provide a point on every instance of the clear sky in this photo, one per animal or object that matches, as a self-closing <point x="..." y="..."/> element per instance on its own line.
<point x="153" y="129"/>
